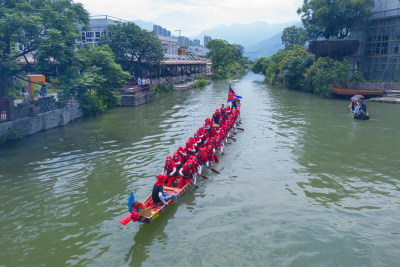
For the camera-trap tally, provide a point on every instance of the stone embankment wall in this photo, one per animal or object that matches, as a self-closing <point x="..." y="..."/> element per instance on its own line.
<point x="46" y="113"/>
<point x="383" y="86"/>
<point x="132" y="98"/>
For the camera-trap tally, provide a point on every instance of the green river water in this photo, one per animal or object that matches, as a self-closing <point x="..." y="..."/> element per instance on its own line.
<point x="304" y="185"/>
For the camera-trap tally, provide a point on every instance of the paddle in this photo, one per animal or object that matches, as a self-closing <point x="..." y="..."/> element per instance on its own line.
<point x="240" y="128"/>
<point x="234" y="139"/>
<point x="216" y="158"/>
<point x="190" y="181"/>
<point x="205" y="177"/>
<point x="213" y="169"/>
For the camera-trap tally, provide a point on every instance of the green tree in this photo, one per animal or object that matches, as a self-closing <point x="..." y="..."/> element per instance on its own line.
<point x="333" y="18"/>
<point x="226" y="58"/>
<point x="95" y="69"/>
<point x="45" y="29"/>
<point x="293" y="36"/>
<point x="260" y="66"/>
<point x="325" y="73"/>
<point x="134" y="48"/>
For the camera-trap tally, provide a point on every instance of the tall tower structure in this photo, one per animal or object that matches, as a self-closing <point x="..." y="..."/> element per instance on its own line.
<point x="206" y="40"/>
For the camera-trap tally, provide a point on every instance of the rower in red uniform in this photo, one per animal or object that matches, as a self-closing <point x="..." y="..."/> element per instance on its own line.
<point x="177" y="160"/>
<point x="170" y="171"/>
<point x="228" y="110"/>
<point x="208" y="127"/>
<point x="197" y="139"/>
<point x="186" y="173"/>
<point x="202" y="156"/>
<point x="216" y="117"/>
<point x="223" y="114"/>
<point x="190" y="148"/>
<point x="183" y="154"/>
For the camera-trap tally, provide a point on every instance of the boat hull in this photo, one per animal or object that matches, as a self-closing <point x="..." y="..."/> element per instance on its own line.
<point x="153" y="211"/>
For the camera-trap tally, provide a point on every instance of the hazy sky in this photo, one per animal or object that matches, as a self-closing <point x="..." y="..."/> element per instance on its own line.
<point x="192" y="16"/>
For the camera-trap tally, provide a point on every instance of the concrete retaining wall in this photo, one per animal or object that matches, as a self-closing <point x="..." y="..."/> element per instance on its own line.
<point x="43" y="121"/>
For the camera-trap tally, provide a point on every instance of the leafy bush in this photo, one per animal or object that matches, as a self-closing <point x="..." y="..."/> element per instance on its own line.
<point x="200" y="83"/>
<point x="91" y="104"/>
<point x="165" y="87"/>
<point x="12" y="134"/>
<point x="324" y="73"/>
<point x="357" y="78"/>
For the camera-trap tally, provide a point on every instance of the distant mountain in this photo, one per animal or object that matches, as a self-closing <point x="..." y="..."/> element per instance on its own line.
<point x="148" y="26"/>
<point x="244" y="34"/>
<point x="267" y="47"/>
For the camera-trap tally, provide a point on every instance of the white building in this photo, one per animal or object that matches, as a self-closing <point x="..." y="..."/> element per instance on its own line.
<point x="97" y="27"/>
<point x="170" y="44"/>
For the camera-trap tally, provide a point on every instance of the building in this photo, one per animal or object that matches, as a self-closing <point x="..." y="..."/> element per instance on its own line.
<point x="97" y="27"/>
<point x="206" y="39"/>
<point x="184" y="41"/>
<point x="197" y="52"/>
<point x="196" y="42"/>
<point x="170" y="44"/>
<point x="378" y="55"/>
<point x="158" y="30"/>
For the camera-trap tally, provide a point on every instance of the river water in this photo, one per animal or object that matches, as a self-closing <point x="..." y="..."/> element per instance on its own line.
<point x="304" y="185"/>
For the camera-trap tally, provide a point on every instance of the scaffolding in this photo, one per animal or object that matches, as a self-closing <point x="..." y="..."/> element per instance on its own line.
<point x="378" y="54"/>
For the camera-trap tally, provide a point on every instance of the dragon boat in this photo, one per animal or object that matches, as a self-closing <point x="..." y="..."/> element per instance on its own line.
<point x="147" y="211"/>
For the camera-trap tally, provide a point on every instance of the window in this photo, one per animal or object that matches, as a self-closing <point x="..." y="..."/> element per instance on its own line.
<point x="377" y="48"/>
<point x="89" y="34"/>
<point x="97" y="34"/>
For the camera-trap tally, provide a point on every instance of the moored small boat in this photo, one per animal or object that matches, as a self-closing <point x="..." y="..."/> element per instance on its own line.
<point x="358" y="117"/>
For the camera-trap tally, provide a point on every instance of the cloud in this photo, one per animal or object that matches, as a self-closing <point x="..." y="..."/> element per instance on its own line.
<point x="197" y="14"/>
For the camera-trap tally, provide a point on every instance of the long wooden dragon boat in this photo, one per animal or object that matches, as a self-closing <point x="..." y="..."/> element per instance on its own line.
<point x="148" y="211"/>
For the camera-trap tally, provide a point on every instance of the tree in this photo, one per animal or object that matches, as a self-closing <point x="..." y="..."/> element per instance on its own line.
<point x="261" y="65"/>
<point x="95" y="69"/>
<point x="46" y="29"/>
<point x="226" y="58"/>
<point x="293" y="35"/>
<point x="324" y="73"/>
<point x="134" y="48"/>
<point x="333" y="18"/>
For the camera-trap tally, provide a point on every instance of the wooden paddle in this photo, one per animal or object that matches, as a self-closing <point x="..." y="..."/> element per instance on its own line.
<point x="205" y="177"/>
<point x="190" y="181"/>
<point x="213" y="169"/>
<point x="240" y="128"/>
<point x="234" y="139"/>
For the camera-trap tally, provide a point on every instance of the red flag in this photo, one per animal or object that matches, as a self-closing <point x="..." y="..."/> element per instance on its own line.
<point x="232" y="95"/>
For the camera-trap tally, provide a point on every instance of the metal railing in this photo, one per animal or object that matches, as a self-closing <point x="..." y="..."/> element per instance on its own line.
<point x="4" y="110"/>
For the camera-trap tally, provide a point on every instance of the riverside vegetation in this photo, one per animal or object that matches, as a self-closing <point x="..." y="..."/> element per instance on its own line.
<point x="295" y="68"/>
<point x="48" y="31"/>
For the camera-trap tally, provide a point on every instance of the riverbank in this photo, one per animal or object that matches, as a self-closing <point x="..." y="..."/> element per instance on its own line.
<point x="45" y="114"/>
